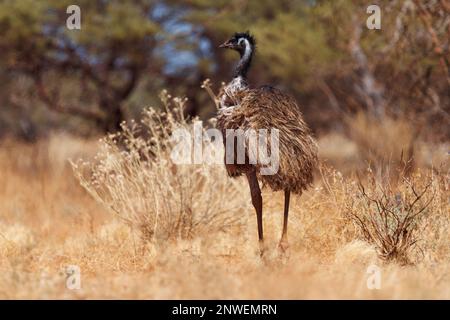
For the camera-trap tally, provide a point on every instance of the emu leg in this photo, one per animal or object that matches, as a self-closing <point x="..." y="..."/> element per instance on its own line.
<point x="255" y="192"/>
<point x="283" y="242"/>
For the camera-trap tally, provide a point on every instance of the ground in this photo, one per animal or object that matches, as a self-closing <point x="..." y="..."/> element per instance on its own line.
<point x="48" y="223"/>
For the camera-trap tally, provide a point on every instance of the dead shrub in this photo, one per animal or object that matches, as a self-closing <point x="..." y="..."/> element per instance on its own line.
<point x="389" y="215"/>
<point x="135" y="177"/>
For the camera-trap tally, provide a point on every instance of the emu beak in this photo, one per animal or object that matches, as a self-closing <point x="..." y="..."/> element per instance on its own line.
<point x="225" y="45"/>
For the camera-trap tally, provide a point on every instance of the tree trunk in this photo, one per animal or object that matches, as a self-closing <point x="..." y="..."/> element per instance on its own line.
<point x="114" y="117"/>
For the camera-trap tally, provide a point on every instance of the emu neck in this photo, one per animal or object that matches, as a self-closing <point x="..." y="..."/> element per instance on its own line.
<point x="244" y="63"/>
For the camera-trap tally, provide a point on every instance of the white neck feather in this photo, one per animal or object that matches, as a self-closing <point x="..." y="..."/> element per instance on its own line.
<point x="248" y="49"/>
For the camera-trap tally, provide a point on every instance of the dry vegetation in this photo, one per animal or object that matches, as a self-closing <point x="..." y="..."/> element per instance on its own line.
<point x="145" y="228"/>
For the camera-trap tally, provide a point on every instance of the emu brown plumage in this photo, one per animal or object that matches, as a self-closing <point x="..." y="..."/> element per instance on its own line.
<point x="265" y="108"/>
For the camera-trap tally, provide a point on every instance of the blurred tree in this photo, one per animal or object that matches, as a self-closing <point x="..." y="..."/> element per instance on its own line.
<point x="90" y="72"/>
<point x="323" y="52"/>
<point x="320" y="50"/>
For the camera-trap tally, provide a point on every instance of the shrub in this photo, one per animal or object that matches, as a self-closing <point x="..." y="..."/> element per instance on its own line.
<point x="135" y="177"/>
<point x="389" y="214"/>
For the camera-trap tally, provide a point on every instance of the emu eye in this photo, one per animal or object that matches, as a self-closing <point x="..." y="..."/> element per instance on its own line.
<point x="241" y="41"/>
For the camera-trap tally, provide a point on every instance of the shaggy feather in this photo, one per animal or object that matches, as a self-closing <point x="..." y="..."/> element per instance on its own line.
<point x="266" y="108"/>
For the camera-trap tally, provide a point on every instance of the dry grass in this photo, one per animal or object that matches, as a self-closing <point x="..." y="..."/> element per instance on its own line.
<point x="48" y="221"/>
<point x="383" y="142"/>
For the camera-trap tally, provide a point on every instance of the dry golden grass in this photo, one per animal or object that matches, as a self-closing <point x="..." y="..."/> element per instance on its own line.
<point x="48" y="221"/>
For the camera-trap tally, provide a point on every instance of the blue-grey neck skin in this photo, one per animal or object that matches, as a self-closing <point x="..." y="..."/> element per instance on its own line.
<point x="245" y="61"/>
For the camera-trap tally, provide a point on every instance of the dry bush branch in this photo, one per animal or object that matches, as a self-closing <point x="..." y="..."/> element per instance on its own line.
<point x="134" y="176"/>
<point x="389" y="215"/>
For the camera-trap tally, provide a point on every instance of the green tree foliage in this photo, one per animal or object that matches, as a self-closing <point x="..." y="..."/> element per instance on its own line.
<point x="88" y="72"/>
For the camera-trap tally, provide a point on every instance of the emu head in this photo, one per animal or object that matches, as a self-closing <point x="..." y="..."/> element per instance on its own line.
<point x="242" y="42"/>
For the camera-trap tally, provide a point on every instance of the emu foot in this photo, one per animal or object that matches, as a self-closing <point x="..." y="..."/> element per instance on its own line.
<point x="283" y="245"/>
<point x="262" y="249"/>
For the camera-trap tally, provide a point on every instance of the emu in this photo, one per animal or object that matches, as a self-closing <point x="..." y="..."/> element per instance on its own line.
<point x="243" y="107"/>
